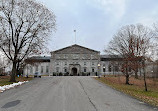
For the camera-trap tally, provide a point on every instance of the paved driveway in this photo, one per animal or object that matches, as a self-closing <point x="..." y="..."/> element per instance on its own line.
<point x="68" y="94"/>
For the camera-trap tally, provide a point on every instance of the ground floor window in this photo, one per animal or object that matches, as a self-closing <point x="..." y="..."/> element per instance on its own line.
<point x="57" y="69"/>
<point x="109" y="68"/>
<point x="41" y="69"/>
<point x="36" y="68"/>
<point x="31" y="70"/>
<point x="116" y="68"/>
<point x="65" y="70"/>
<point x="47" y="69"/>
<point x="92" y="69"/>
<point x="104" y="69"/>
<point x="85" y="70"/>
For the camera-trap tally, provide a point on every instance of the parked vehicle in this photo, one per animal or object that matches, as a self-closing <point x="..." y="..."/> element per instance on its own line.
<point x="37" y="74"/>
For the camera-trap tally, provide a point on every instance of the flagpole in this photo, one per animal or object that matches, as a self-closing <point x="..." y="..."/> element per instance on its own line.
<point x="75" y="36"/>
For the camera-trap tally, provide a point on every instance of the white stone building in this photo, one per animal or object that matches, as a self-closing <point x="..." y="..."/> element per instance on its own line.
<point x="74" y="60"/>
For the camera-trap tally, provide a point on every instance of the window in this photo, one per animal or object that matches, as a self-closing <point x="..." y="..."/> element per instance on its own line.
<point x="57" y="69"/>
<point x="65" y="57"/>
<point x="116" y="68"/>
<point x="31" y="70"/>
<point x="109" y="68"/>
<point x="65" y="70"/>
<point x="92" y="69"/>
<point x="47" y="69"/>
<point x="92" y="63"/>
<point x="41" y="69"/>
<point x="65" y="63"/>
<point x="84" y="63"/>
<point x="129" y="69"/>
<point x="36" y="68"/>
<point x="104" y="69"/>
<point x="57" y="63"/>
<point x="85" y="70"/>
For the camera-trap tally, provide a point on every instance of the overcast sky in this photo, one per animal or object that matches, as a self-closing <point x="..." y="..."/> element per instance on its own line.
<point x="96" y="21"/>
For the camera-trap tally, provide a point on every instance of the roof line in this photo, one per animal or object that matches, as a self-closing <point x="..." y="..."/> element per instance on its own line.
<point x="72" y="46"/>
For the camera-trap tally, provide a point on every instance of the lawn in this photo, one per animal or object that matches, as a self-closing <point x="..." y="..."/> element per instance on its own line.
<point x="4" y="80"/>
<point x="136" y="89"/>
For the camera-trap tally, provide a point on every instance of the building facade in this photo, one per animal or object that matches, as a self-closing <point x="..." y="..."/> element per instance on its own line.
<point x="74" y="60"/>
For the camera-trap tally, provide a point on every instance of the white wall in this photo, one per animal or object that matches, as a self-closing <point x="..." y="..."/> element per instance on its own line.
<point x="31" y="69"/>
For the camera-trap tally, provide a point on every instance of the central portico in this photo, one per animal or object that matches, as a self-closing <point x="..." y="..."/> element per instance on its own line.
<point x="74" y="60"/>
<point x="74" y="69"/>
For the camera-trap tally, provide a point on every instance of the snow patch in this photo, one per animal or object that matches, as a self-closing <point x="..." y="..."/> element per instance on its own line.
<point x="6" y="87"/>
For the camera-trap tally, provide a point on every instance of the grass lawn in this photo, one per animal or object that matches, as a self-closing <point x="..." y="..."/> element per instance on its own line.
<point x="4" y="80"/>
<point x="136" y="89"/>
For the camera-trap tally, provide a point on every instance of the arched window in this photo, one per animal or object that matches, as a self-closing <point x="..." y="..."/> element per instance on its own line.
<point x="57" y="69"/>
<point x="65" y="69"/>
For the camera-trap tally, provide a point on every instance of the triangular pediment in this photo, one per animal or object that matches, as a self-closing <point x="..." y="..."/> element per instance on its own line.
<point x="75" y="49"/>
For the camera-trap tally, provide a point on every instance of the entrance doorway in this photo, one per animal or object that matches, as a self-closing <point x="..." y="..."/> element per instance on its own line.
<point x="74" y="71"/>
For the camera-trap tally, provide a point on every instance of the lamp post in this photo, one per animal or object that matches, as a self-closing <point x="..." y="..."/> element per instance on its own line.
<point x="98" y="70"/>
<point x="104" y="71"/>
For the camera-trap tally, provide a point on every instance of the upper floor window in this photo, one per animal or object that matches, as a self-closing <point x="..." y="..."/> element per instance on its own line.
<point x="65" y="63"/>
<point x="84" y="63"/>
<point x="57" y="63"/>
<point x="92" y="63"/>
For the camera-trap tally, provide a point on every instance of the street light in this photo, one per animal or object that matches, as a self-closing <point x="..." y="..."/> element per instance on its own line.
<point x="104" y="71"/>
<point x="98" y="70"/>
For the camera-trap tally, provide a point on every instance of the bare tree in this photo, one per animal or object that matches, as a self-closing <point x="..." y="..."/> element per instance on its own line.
<point x="132" y="42"/>
<point x="24" y="29"/>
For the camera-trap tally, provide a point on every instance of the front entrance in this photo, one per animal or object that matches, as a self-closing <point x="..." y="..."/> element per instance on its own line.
<point x="74" y="71"/>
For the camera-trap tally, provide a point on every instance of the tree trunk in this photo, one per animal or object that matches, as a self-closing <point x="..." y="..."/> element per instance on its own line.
<point x="136" y="73"/>
<point x="12" y="76"/>
<point x="127" y="77"/>
<point x="145" y="84"/>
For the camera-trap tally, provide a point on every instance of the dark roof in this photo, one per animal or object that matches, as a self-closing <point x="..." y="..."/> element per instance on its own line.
<point x="47" y="58"/>
<point x="110" y="58"/>
<point x="74" y="46"/>
<point x="38" y="59"/>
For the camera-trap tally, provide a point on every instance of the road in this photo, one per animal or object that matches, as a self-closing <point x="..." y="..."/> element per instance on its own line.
<point x="68" y="94"/>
